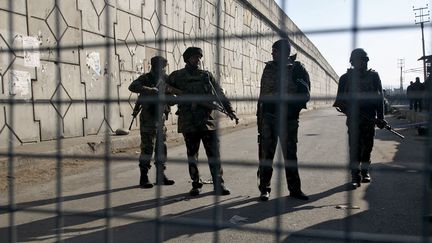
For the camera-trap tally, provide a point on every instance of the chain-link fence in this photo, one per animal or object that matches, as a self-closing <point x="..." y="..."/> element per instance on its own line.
<point x="66" y="67"/>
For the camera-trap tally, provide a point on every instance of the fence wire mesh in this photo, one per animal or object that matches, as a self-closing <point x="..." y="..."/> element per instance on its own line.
<point x="108" y="13"/>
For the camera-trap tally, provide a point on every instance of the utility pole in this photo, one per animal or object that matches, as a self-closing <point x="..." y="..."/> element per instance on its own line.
<point x="420" y="15"/>
<point x="401" y="65"/>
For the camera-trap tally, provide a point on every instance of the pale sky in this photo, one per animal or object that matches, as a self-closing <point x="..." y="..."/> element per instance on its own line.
<point x="384" y="47"/>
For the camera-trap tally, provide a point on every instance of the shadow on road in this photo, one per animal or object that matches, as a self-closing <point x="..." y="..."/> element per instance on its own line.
<point x="45" y="229"/>
<point x="395" y="207"/>
<point x="249" y="207"/>
<point x="144" y="231"/>
<point x="26" y="205"/>
<point x="395" y="196"/>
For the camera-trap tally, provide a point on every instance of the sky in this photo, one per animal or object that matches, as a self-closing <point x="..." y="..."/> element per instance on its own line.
<point x="384" y="47"/>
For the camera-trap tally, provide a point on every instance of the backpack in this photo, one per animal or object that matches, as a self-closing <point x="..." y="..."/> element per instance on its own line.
<point x="301" y="79"/>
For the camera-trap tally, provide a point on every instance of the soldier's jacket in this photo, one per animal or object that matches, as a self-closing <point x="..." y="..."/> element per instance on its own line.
<point x="417" y="90"/>
<point x="409" y="92"/>
<point x="369" y="90"/>
<point x="149" y="114"/>
<point x="271" y="87"/>
<point x="193" y="117"/>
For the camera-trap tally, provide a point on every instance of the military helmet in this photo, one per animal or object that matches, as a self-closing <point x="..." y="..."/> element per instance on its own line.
<point x="192" y="51"/>
<point x="158" y="61"/>
<point x="359" y="53"/>
<point x="278" y="45"/>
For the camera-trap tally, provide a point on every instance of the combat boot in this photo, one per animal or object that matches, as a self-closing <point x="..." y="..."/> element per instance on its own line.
<point x="222" y="190"/>
<point x="299" y="195"/>
<point x="265" y="195"/>
<point x="365" y="176"/>
<point x="356" y="178"/>
<point x="264" y="183"/>
<point x="194" y="191"/>
<point x="165" y="180"/>
<point x="144" y="180"/>
<point x="196" y="188"/>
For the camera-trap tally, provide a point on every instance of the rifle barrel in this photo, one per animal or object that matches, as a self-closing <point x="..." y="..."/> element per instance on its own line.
<point x="387" y="127"/>
<point x="130" y="126"/>
<point x="136" y="110"/>
<point x="394" y="132"/>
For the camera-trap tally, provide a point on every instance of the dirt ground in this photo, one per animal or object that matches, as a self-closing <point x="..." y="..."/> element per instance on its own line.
<point x="39" y="171"/>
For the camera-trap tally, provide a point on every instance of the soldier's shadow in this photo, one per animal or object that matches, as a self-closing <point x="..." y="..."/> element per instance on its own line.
<point x="46" y="229"/>
<point x="48" y="201"/>
<point x="201" y="220"/>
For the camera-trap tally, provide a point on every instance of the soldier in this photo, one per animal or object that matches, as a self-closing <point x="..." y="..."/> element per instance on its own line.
<point x="409" y="92"/>
<point x="152" y="123"/>
<point x="196" y="120"/>
<point x="360" y="97"/>
<point x="283" y="73"/>
<point x="418" y="89"/>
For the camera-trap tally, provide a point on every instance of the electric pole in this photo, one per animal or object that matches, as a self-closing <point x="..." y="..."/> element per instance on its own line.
<point x="421" y="17"/>
<point x="401" y="65"/>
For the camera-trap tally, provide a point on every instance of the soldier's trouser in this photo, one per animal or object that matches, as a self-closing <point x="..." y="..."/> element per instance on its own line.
<point x="361" y="139"/>
<point x="210" y="141"/>
<point x="418" y="105"/>
<point x="288" y="140"/>
<point x="153" y="140"/>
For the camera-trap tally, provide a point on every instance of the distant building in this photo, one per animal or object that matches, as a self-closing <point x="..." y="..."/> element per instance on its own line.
<point x="428" y="61"/>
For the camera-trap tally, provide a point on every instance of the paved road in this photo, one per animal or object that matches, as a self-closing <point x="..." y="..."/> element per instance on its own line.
<point x="392" y="204"/>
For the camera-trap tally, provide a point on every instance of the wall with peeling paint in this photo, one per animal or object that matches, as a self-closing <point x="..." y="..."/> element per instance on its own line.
<point x="105" y="45"/>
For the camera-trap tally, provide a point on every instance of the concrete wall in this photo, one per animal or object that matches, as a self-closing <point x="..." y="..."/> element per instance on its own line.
<point x="124" y="34"/>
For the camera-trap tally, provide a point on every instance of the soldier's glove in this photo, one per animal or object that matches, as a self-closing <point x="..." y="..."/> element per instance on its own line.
<point x="149" y="90"/>
<point x="153" y="91"/>
<point x="233" y="116"/>
<point x="236" y="120"/>
<point x="381" y="123"/>
<point x="342" y="110"/>
<point x="169" y="90"/>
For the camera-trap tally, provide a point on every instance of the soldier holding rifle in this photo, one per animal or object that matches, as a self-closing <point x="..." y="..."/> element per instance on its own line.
<point x="283" y="76"/>
<point x="197" y="120"/>
<point x="360" y="98"/>
<point x="152" y="122"/>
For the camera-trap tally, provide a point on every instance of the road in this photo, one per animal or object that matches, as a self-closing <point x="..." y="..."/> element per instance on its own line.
<point x="391" y="205"/>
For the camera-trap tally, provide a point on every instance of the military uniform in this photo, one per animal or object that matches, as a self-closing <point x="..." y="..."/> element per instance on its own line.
<point x="268" y="117"/>
<point x="409" y="94"/>
<point x="418" y="91"/>
<point x="197" y="120"/>
<point x="361" y="121"/>
<point x="152" y="124"/>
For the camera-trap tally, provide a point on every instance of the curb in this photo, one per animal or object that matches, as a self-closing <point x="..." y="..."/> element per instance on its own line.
<point x="96" y="144"/>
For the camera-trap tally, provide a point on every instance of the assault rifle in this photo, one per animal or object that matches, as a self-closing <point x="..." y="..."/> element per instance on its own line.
<point x="213" y="106"/>
<point x="376" y="121"/>
<point x="136" y="110"/>
<point x="219" y="105"/>
<point x="389" y="128"/>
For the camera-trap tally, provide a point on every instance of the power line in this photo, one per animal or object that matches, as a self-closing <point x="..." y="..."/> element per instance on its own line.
<point x="414" y="70"/>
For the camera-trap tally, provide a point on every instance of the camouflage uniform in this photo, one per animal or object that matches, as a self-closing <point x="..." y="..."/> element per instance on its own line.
<point x="269" y="115"/>
<point x="360" y="122"/>
<point x="197" y="121"/>
<point x="152" y="124"/>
